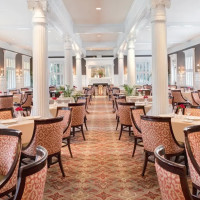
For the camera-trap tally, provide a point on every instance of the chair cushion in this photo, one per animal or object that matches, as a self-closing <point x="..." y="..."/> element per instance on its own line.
<point x="1" y="177"/>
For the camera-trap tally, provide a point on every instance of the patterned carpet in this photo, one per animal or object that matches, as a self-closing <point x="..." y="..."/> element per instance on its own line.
<point x="102" y="167"/>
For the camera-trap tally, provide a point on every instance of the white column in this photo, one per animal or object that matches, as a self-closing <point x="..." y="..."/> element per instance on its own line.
<point x="40" y="64"/>
<point x="68" y="67"/>
<point x="121" y="68"/>
<point x="131" y="64"/>
<point x="159" y="57"/>
<point x="79" y="72"/>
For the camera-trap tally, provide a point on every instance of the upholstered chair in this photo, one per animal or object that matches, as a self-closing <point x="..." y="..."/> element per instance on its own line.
<point x="171" y="177"/>
<point x="27" y="103"/>
<point x="192" y="111"/>
<point x="15" y="91"/>
<point x="10" y="150"/>
<point x="136" y="113"/>
<point x="117" y="100"/>
<point x="125" y="117"/>
<point x="178" y="98"/>
<point x="32" y="178"/>
<point x="147" y="87"/>
<point x="192" y="141"/>
<point x="146" y="92"/>
<point x="158" y="131"/>
<point x="47" y="133"/>
<point x="6" y="101"/>
<point x="172" y="87"/>
<point x="17" y="98"/>
<point x="84" y="99"/>
<point x="66" y="113"/>
<point x="24" y="89"/>
<point x="6" y="113"/>
<point x="113" y="93"/>
<point x="78" y="117"/>
<point x="195" y="98"/>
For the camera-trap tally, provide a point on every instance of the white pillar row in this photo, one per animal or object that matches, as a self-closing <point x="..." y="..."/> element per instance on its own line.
<point x="121" y="69"/>
<point x="40" y="63"/>
<point x="131" y="64"/>
<point x="159" y="57"/>
<point x="68" y="66"/>
<point x="79" y="72"/>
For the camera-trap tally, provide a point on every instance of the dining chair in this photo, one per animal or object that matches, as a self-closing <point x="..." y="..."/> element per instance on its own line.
<point x="147" y="86"/>
<point x="6" y="101"/>
<point x="192" y="141"/>
<point x="192" y="110"/>
<point x="158" y="131"/>
<point x="136" y="113"/>
<point x="32" y="178"/>
<point x="195" y="98"/>
<point x="66" y="113"/>
<point x="6" y="113"/>
<point x="10" y="149"/>
<point x="172" y="178"/>
<point x="24" y="89"/>
<point x="146" y="92"/>
<point x="14" y="91"/>
<point x="47" y="133"/>
<point x="27" y="103"/>
<point x="172" y="87"/>
<point x="178" y="98"/>
<point x="125" y="117"/>
<point x="78" y="117"/>
<point x="117" y="100"/>
<point x="17" y="98"/>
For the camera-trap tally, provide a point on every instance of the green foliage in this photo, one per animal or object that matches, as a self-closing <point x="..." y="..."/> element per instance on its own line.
<point x="100" y="72"/>
<point x="67" y="92"/>
<point x="128" y="89"/>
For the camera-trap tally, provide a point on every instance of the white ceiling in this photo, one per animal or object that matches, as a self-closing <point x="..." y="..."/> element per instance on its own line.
<point x="98" y="30"/>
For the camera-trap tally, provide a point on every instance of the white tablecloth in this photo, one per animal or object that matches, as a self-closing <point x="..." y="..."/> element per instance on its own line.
<point x="137" y="98"/>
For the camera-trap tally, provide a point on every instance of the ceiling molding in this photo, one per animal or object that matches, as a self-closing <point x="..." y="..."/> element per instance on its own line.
<point x="184" y="45"/>
<point x="102" y="28"/>
<point x="90" y="45"/>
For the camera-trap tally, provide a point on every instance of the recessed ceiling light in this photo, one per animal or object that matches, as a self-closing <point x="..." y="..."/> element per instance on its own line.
<point x="98" y="8"/>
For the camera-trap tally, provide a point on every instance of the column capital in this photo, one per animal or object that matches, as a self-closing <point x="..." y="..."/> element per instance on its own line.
<point x="156" y="3"/>
<point x="78" y="56"/>
<point x="38" y="4"/>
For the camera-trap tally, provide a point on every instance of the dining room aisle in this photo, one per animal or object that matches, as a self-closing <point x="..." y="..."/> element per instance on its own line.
<point x="102" y="167"/>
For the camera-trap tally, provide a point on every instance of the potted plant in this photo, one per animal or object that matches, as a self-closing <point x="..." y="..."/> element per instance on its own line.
<point x="100" y="73"/>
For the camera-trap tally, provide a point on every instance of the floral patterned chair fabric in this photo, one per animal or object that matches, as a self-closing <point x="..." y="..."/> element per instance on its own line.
<point x="47" y="133"/>
<point x="124" y="116"/>
<point x="10" y="148"/>
<point x="195" y="99"/>
<point x="6" y="113"/>
<point x="178" y="97"/>
<point x="78" y="116"/>
<point x="66" y="113"/>
<point x="32" y="178"/>
<point x="136" y="113"/>
<point x="192" y="141"/>
<point x="158" y="131"/>
<point x="171" y="177"/>
<point x="6" y="101"/>
<point x="192" y="111"/>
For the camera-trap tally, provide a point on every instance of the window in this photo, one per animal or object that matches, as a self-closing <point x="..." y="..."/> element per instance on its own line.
<point x="189" y="67"/>
<point x="143" y="71"/>
<point x="56" y="73"/>
<point x="9" y="58"/>
<point x="173" y="70"/>
<point x="27" y="71"/>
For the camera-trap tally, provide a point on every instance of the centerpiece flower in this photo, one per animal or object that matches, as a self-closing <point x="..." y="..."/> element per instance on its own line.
<point x="19" y="109"/>
<point x="181" y="106"/>
<point x="54" y="98"/>
<point x="146" y="97"/>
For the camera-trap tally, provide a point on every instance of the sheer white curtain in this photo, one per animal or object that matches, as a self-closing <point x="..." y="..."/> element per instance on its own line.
<point x="10" y="69"/>
<point x="27" y="71"/>
<point x="189" y="66"/>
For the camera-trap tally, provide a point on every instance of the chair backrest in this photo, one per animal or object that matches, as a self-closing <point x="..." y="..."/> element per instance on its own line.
<point x="192" y="141"/>
<point x="171" y="177"/>
<point x="124" y="112"/>
<point x="146" y="92"/>
<point x="119" y="99"/>
<point x="147" y="86"/>
<point x="47" y="133"/>
<point x="66" y="113"/>
<point x="177" y="96"/>
<point x="18" y="98"/>
<point x="115" y="90"/>
<point x="6" y="101"/>
<point x="78" y="113"/>
<point x="158" y="131"/>
<point x="27" y="102"/>
<point x="32" y="177"/>
<point x="14" y="91"/>
<point x="172" y="87"/>
<point x="192" y="110"/>
<point x="195" y="98"/>
<point x="24" y="89"/>
<point x="6" y="113"/>
<point x="10" y="148"/>
<point x="52" y="88"/>
<point x="136" y="113"/>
